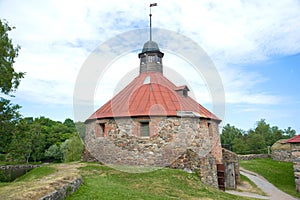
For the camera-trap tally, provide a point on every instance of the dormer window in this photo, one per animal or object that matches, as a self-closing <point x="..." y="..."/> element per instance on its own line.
<point x="182" y="90"/>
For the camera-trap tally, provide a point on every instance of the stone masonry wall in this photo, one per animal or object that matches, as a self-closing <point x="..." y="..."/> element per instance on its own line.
<point x="281" y="155"/>
<point x="230" y="158"/>
<point x="252" y="156"/>
<point x="205" y="167"/>
<point x="119" y="143"/>
<point x="295" y="157"/>
<point x="169" y="138"/>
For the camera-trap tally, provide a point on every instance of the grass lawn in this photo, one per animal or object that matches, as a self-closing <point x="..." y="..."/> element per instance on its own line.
<point x="36" y="174"/>
<point x="278" y="173"/>
<point x="101" y="182"/>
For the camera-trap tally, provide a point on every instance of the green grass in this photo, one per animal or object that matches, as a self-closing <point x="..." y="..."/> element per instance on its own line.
<point x="101" y="182"/>
<point x="36" y="173"/>
<point x="278" y="173"/>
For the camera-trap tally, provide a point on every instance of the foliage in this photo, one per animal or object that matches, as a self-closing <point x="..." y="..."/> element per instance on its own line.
<point x="9" y="117"/>
<point x="229" y="134"/>
<point x="256" y="140"/>
<point x="72" y="149"/>
<point x="278" y="173"/>
<point x="41" y="139"/>
<point x="54" y="152"/>
<point x="10" y="79"/>
<point x="101" y="182"/>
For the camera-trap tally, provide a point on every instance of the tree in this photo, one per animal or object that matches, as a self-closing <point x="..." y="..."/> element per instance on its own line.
<point x="289" y="132"/>
<point x="69" y="123"/>
<point x="256" y="143"/>
<point x="10" y="79"/>
<point x="72" y="149"/>
<point x="54" y="152"/>
<point x="229" y="134"/>
<point x="9" y="117"/>
<point x="21" y="144"/>
<point x="239" y="146"/>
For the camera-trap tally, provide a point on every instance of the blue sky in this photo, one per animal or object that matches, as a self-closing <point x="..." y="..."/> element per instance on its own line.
<point x="255" y="46"/>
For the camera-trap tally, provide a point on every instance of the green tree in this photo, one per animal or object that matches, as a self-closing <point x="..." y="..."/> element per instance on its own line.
<point x="10" y="79"/>
<point x="38" y="139"/>
<point x="289" y="132"/>
<point x="277" y="134"/>
<point x="72" y="149"/>
<point x="229" y="134"/>
<point x="21" y="144"/>
<point x="239" y="146"/>
<point x="9" y="117"/>
<point x="256" y="143"/>
<point x="69" y="123"/>
<point x="54" y="152"/>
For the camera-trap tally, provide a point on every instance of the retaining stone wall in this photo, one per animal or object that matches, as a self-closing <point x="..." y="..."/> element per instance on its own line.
<point x="232" y="178"/>
<point x="205" y="167"/>
<point x="252" y="156"/>
<point x="6" y="167"/>
<point x="295" y="157"/>
<point x="281" y="155"/>
<point x="63" y="192"/>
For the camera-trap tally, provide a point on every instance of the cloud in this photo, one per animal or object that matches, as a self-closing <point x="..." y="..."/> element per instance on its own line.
<point x="57" y="36"/>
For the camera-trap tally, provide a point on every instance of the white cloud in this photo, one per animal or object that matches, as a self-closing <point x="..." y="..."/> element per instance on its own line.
<point x="57" y="36"/>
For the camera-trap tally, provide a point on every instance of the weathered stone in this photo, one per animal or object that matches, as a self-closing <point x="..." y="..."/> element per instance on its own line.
<point x="169" y="139"/>
<point x="252" y="156"/>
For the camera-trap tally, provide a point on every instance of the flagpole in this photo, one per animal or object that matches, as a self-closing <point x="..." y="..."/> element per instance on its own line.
<point x="150" y="15"/>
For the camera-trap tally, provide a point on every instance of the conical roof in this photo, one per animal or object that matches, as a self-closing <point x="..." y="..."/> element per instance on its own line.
<point x="151" y="94"/>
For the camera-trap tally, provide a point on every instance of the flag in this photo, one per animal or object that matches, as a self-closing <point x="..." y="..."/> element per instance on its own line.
<point x="153" y="4"/>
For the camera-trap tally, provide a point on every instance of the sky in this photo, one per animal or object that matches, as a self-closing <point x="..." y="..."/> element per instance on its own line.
<point x="254" y="45"/>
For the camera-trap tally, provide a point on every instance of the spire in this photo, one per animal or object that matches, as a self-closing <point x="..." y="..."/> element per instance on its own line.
<point x="151" y="56"/>
<point x="150" y="15"/>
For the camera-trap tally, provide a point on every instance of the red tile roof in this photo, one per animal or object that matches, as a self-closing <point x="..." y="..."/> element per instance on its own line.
<point x="295" y="139"/>
<point x="154" y="97"/>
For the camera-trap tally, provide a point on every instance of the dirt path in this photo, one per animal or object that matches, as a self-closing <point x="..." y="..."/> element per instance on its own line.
<point x="247" y="194"/>
<point x="272" y="192"/>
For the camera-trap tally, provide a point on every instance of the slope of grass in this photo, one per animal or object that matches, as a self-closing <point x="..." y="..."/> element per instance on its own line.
<point x="101" y="182"/>
<point x="40" y="181"/>
<point x="36" y="173"/>
<point x="278" y="173"/>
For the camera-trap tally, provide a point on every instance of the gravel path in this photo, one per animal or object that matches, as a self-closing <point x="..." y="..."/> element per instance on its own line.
<point x="272" y="192"/>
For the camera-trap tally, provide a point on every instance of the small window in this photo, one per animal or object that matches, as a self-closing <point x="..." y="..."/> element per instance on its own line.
<point x="102" y="127"/>
<point x="151" y="58"/>
<point x="143" y="60"/>
<point x="158" y="60"/>
<point x="144" y="129"/>
<point x="210" y="129"/>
